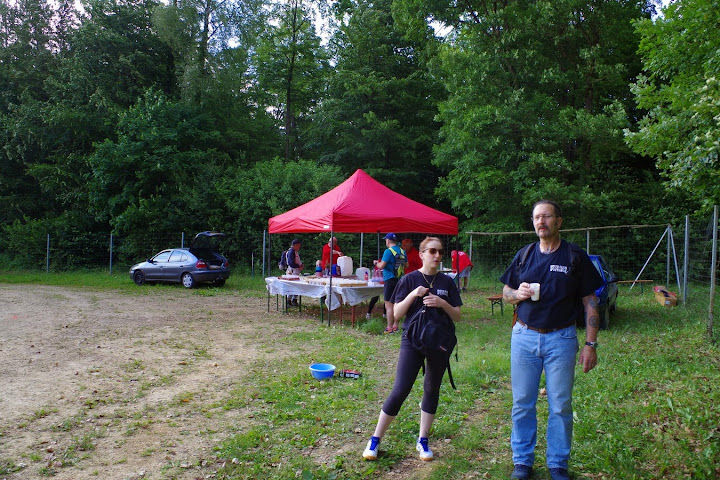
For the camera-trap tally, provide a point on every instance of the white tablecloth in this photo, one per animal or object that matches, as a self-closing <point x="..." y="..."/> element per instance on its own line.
<point x="347" y="295"/>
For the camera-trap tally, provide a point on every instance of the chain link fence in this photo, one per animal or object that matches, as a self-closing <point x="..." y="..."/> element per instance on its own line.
<point x="662" y="253"/>
<point x="677" y="256"/>
<point x="67" y="251"/>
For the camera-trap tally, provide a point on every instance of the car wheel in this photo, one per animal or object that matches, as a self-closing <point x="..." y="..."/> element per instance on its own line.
<point x="219" y="283"/>
<point x="139" y="278"/>
<point x="604" y="318"/>
<point x="187" y="280"/>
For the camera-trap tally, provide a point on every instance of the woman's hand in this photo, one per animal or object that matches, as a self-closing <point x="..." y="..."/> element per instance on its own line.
<point x="436" y="301"/>
<point x="431" y="300"/>
<point x="420" y="291"/>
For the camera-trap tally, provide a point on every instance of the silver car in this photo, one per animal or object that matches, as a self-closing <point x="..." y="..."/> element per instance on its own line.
<point x="189" y="266"/>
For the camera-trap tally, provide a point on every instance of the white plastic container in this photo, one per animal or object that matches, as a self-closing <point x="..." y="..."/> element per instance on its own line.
<point x="346" y="266"/>
<point x="361" y="272"/>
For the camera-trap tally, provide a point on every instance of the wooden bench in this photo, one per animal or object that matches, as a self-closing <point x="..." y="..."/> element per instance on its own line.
<point x="496" y="300"/>
<point x="640" y="282"/>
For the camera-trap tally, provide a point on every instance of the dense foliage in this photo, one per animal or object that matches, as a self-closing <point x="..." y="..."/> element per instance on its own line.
<point x="145" y="117"/>
<point x="681" y="93"/>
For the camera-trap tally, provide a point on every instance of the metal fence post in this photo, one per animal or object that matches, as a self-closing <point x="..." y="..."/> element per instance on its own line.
<point x="686" y="259"/>
<point x="668" y="256"/>
<point x="263" y="269"/>
<point x="47" y="255"/>
<point x="182" y="240"/>
<point x="587" y="240"/>
<point x="713" y="275"/>
<point x="111" y="251"/>
<point x="470" y="248"/>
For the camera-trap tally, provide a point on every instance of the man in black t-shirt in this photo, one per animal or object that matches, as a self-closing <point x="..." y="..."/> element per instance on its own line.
<point x="552" y="283"/>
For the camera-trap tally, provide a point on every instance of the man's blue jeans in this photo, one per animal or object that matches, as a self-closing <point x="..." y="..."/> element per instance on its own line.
<point x="531" y="353"/>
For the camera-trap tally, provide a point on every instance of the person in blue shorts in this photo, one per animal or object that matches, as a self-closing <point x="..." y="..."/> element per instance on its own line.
<point x="552" y="283"/>
<point x="392" y="265"/>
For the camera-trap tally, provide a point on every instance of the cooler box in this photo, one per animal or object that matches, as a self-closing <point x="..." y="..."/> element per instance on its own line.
<point x="664" y="297"/>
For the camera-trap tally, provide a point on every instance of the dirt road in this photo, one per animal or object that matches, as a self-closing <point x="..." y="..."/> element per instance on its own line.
<point x="116" y="385"/>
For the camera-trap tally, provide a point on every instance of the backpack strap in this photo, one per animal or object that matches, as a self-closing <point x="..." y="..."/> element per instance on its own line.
<point x="575" y="252"/>
<point x="449" y="370"/>
<point x="526" y="251"/>
<point x="452" y="382"/>
<point x="399" y="269"/>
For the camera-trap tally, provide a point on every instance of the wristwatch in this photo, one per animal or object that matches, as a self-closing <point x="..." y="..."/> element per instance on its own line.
<point x="592" y="344"/>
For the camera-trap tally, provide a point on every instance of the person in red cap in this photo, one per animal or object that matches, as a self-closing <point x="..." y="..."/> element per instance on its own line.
<point x="462" y="265"/>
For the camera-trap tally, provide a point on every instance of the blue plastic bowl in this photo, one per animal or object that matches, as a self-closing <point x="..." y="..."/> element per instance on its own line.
<point x="322" y="370"/>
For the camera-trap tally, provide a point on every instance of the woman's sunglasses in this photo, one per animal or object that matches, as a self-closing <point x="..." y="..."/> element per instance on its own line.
<point x="435" y="251"/>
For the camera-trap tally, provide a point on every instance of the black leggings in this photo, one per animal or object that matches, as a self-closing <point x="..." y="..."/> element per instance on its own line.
<point x="410" y="362"/>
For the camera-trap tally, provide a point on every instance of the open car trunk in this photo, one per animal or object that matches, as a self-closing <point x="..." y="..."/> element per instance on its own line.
<point x="203" y="246"/>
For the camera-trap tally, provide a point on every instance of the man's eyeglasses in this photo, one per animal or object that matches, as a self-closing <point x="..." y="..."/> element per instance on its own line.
<point x="435" y="251"/>
<point x="542" y="217"/>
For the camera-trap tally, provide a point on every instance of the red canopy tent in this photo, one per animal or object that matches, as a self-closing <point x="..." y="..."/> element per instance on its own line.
<point x="362" y="204"/>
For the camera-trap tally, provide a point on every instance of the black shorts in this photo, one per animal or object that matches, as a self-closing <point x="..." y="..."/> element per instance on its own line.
<point x="389" y="288"/>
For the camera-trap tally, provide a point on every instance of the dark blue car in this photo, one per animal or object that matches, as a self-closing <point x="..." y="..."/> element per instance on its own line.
<point x="608" y="293"/>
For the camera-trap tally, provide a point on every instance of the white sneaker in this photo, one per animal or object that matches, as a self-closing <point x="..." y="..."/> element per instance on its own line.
<point x="368" y="316"/>
<point x="422" y="447"/>
<point x="371" y="451"/>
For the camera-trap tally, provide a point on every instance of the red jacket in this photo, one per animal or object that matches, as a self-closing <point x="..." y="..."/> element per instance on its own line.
<point x="413" y="260"/>
<point x="326" y="256"/>
<point x="464" y="261"/>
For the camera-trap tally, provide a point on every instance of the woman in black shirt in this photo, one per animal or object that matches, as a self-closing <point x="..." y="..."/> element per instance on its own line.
<point x="433" y="289"/>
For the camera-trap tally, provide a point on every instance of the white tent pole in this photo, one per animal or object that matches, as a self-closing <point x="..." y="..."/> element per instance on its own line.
<point x="361" y="247"/>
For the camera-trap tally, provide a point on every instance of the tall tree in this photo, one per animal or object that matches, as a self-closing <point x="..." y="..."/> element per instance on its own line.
<point x="679" y="90"/>
<point x="291" y="67"/>
<point x="27" y="60"/>
<point x="162" y="167"/>
<point x="199" y="31"/>
<point x="98" y="70"/>
<point x="378" y="112"/>
<point x="538" y="100"/>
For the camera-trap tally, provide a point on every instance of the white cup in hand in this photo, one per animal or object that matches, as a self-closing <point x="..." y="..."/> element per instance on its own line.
<point x="536" y="292"/>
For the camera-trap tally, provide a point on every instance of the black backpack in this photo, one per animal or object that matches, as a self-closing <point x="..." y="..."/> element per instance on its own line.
<point x="430" y="330"/>
<point x="283" y="263"/>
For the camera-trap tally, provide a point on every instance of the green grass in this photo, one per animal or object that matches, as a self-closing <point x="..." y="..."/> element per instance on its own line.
<point x="651" y="409"/>
<point x="120" y="280"/>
